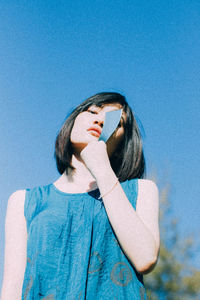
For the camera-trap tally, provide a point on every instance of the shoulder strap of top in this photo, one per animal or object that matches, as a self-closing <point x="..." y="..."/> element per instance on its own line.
<point x="32" y="204"/>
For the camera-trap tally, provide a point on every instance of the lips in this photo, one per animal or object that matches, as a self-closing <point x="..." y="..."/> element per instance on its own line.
<point x="95" y="130"/>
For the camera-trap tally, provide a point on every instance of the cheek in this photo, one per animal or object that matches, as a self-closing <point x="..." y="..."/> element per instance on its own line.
<point x="119" y="135"/>
<point x="74" y="135"/>
<point x="115" y="141"/>
<point x="79" y="122"/>
<point x="75" y="129"/>
<point x="79" y="128"/>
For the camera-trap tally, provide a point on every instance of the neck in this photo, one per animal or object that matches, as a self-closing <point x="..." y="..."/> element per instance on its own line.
<point x="78" y="180"/>
<point x="81" y="174"/>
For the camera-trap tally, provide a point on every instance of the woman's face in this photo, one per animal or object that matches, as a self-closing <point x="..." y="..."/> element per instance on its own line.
<point x="88" y="126"/>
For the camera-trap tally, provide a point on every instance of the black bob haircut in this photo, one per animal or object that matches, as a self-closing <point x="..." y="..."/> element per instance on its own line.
<point x="128" y="160"/>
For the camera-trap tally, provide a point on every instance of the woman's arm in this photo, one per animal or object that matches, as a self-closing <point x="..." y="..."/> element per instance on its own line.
<point x="137" y="231"/>
<point x="15" y="247"/>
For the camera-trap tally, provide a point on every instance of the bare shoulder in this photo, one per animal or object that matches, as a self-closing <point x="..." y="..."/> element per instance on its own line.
<point x="16" y="200"/>
<point x="147" y="189"/>
<point x="148" y="193"/>
<point x="147" y="185"/>
<point x="15" y="222"/>
<point x="18" y="194"/>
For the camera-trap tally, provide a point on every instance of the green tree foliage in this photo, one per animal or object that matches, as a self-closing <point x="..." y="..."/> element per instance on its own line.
<point x="174" y="276"/>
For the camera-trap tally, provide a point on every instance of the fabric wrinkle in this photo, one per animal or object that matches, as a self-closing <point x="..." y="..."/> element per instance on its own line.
<point x="72" y="250"/>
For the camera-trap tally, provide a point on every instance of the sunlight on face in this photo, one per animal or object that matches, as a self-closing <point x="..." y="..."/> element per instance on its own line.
<point x="88" y="126"/>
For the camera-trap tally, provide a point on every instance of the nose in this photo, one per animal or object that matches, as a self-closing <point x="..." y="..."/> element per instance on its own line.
<point x="99" y="120"/>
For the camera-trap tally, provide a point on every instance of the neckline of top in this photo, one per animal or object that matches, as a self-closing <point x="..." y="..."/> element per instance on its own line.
<point x="71" y="194"/>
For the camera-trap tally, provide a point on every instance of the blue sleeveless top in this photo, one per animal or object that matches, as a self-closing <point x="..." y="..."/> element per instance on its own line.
<point x="72" y="250"/>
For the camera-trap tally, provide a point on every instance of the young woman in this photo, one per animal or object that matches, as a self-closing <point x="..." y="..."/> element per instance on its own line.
<point x="93" y="233"/>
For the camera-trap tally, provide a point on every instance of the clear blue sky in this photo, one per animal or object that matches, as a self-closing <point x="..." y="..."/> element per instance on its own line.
<point x="54" y="54"/>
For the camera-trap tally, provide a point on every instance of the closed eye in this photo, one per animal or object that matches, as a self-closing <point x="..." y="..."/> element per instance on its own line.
<point x="92" y="111"/>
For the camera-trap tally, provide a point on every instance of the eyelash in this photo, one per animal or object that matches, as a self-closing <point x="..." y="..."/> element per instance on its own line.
<point x="92" y="111"/>
<point x="95" y="112"/>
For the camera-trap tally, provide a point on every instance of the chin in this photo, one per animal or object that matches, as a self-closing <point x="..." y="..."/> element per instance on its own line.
<point x="78" y="146"/>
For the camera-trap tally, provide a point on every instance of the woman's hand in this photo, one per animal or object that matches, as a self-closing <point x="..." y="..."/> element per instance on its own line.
<point x="96" y="159"/>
